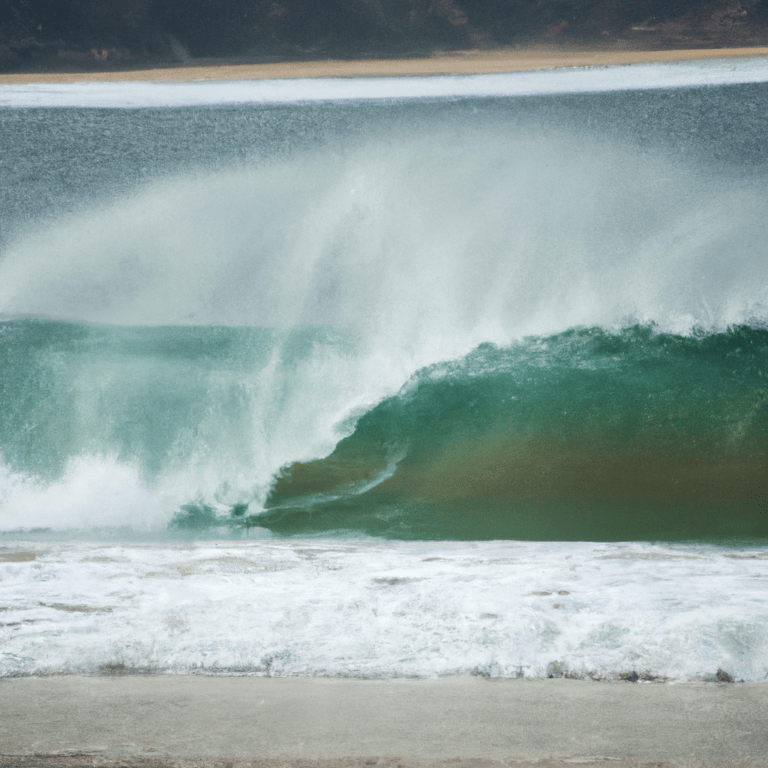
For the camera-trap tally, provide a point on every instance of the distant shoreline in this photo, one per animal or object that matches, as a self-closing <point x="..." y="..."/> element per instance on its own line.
<point x="458" y="63"/>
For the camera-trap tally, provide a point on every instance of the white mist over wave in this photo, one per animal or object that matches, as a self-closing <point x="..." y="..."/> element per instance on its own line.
<point x="95" y="492"/>
<point x="415" y="249"/>
<point x="477" y="235"/>
<point x="132" y="95"/>
<point x="375" y="609"/>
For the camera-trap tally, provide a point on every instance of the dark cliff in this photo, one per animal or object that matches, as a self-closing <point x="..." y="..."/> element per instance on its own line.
<point x="44" y="34"/>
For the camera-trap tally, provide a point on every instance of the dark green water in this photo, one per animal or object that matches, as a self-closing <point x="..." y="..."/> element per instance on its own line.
<point x="584" y="435"/>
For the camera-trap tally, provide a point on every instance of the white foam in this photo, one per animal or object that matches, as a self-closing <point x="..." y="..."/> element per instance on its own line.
<point x="131" y="95"/>
<point x="386" y="609"/>
<point x="94" y="492"/>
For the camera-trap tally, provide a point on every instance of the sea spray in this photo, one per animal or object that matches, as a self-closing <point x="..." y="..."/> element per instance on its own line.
<point x="476" y="235"/>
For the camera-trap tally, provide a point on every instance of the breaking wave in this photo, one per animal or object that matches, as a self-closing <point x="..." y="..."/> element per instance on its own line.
<point x="469" y="330"/>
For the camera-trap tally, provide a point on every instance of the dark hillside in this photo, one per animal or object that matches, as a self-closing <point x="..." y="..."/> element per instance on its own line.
<point x="61" y="34"/>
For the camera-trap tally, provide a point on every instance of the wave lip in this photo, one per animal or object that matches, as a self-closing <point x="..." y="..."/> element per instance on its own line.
<point x="132" y="95"/>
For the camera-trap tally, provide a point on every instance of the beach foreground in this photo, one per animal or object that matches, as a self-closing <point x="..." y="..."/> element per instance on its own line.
<point x="183" y="720"/>
<point x="456" y="63"/>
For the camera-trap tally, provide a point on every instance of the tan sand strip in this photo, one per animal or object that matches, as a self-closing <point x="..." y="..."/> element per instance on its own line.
<point x="411" y="723"/>
<point x="471" y="62"/>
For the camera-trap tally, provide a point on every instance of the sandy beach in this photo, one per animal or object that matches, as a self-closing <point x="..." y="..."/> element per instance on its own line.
<point x="470" y="62"/>
<point x="238" y="721"/>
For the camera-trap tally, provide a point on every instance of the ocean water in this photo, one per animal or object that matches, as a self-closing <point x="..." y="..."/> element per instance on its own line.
<point x="401" y="377"/>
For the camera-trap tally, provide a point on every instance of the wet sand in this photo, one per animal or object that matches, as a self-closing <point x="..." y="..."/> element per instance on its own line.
<point x="470" y="62"/>
<point x="332" y="722"/>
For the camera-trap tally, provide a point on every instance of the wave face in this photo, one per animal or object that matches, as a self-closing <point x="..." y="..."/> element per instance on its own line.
<point x="584" y="435"/>
<point x="532" y="318"/>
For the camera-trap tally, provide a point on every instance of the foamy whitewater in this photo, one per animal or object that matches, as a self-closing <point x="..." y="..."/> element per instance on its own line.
<point x="393" y="377"/>
<point x="383" y="610"/>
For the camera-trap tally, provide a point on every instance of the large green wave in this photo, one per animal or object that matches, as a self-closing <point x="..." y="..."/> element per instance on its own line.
<point x="589" y="434"/>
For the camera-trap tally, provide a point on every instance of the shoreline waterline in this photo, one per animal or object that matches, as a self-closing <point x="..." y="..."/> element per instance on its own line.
<point x="458" y="63"/>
